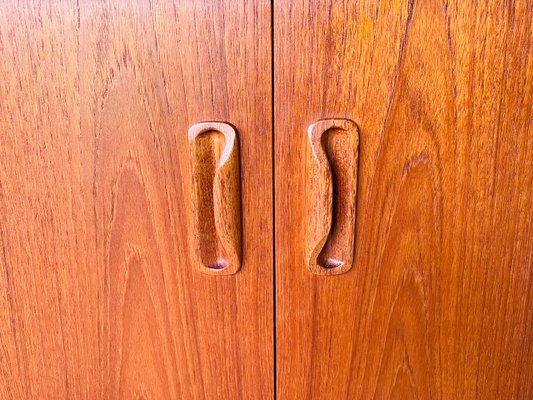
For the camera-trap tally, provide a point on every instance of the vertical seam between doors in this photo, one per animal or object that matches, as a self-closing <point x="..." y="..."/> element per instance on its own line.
<point x="274" y="314"/>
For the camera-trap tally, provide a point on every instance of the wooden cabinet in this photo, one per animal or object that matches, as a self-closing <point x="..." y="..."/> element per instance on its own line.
<point x="99" y="293"/>
<point x="382" y="218"/>
<point x="439" y="301"/>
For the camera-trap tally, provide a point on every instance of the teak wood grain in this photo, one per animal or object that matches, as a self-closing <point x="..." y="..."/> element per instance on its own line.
<point x="330" y="194"/>
<point x="216" y="182"/>
<point x="99" y="296"/>
<point x="439" y="301"/>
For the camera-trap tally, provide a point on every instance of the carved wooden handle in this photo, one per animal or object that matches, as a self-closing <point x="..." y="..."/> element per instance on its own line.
<point x="332" y="160"/>
<point x="214" y="151"/>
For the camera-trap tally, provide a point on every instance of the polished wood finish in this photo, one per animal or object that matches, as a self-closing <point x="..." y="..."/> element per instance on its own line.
<point x="439" y="302"/>
<point x="99" y="296"/>
<point x="216" y="182"/>
<point x="331" y="189"/>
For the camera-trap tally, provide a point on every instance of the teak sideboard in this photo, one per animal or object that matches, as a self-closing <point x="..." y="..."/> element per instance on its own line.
<point x="247" y="200"/>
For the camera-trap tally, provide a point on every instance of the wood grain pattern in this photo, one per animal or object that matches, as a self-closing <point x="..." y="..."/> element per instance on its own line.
<point x="439" y="302"/>
<point x="331" y="195"/>
<point x="216" y="182"/>
<point x="99" y="297"/>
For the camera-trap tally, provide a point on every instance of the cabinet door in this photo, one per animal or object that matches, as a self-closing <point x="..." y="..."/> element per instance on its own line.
<point x="439" y="301"/>
<point x="99" y="294"/>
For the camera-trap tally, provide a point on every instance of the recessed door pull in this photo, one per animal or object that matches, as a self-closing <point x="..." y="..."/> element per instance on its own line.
<point x="331" y="194"/>
<point x="216" y="182"/>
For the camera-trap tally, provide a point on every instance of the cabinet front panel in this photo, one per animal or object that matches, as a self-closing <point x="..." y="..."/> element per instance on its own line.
<point x="99" y="294"/>
<point x="439" y="301"/>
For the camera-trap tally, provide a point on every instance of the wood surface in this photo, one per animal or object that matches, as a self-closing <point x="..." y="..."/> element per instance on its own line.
<point x="439" y="302"/>
<point x="330" y="194"/>
<point x="99" y="296"/>
<point x="216" y="205"/>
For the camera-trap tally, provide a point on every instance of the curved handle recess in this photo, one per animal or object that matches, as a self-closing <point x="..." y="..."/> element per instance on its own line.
<point x="331" y="189"/>
<point x="216" y="183"/>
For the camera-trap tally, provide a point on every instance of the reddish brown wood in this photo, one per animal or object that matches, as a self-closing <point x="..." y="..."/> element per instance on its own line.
<point x="99" y="296"/>
<point x="216" y="182"/>
<point x="439" y="301"/>
<point x="331" y="189"/>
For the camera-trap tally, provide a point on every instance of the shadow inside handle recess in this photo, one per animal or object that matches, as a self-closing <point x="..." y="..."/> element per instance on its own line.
<point x="209" y="148"/>
<point x="341" y="151"/>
